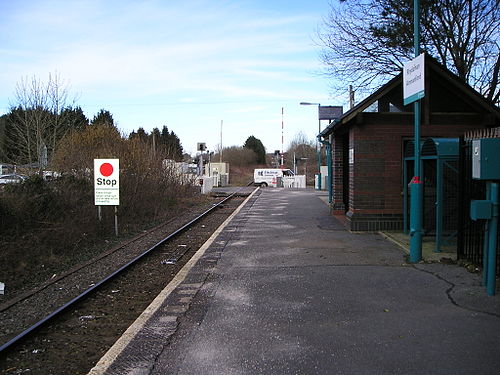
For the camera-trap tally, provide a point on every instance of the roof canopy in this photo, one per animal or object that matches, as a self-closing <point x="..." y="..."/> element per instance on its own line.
<point x="445" y="93"/>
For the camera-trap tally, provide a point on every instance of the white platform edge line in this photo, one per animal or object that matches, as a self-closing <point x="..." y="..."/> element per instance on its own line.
<point x="110" y="356"/>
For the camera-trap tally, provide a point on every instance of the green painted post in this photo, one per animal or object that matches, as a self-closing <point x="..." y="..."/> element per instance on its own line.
<point x="439" y="205"/>
<point x="329" y="166"/>
<point x="416" y="184"/>
<point x="319" y="166"/>
<point x="405" y="199"/>
<point x="492" y="234"/>
<point x="486" y="240"/>
<point x="319" y="149"/>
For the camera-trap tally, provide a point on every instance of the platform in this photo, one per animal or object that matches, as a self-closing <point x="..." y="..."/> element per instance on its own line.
<point x="285" y="289"/>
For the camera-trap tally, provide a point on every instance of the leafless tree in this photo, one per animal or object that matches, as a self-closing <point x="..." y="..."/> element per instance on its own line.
<point x="37" y="121"/>
<point x="304" y="151"/>
<point x="366" y="41"/>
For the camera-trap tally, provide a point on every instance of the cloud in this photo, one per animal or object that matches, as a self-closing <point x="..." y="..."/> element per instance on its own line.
<point x="154" y="61"/>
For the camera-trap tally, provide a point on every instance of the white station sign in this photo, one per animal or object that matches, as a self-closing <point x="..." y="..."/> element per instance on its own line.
<point x="106" y="182"/>
<point x="414" y="79"/>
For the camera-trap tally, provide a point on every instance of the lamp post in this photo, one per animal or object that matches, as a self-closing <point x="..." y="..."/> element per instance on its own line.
<point x="318" y="148"/>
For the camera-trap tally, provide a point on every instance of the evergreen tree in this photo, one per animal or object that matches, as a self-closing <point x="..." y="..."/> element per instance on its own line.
<point x="163" y="143"/>
<point x="175" y="147"/>
<point x="74" y="118"/>
<point x="256" y="145"/>
<point x="103" y="117"/>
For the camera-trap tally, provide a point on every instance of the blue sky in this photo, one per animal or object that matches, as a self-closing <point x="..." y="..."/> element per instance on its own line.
<point x="185" y="64"/>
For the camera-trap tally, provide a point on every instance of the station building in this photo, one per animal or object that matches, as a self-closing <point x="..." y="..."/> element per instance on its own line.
<point x="369" y="141"/>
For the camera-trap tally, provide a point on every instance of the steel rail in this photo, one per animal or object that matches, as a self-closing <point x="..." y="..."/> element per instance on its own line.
<point x="64" y="307"/>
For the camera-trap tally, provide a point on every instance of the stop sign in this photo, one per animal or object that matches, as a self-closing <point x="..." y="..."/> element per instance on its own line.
<point x="106" y="182"/>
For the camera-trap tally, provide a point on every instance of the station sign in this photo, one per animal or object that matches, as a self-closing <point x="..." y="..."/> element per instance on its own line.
<point x="106" y="182"/>
<point x="414" y="79"/>
<point x="330" y="112"/>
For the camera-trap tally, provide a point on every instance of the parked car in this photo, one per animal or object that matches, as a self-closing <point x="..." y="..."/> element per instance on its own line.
<point x="12" y="178"/>
<point x="50" y="175"/>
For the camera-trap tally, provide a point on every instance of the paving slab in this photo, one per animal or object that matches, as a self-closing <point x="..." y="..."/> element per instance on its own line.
<point x="285" y="289"/>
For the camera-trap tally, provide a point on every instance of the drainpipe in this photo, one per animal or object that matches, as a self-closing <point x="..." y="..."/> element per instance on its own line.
<point x="329" y="166"/>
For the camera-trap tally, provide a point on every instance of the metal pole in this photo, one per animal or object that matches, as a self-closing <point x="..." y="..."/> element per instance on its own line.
<point x="351" y="97"/>
<point x="416" y="186"/>
<point x="492" y="233"/>
<point x="319" y="150"/>
<point x="220" y="154"/>
<point x="486" y="240"/>
<point x="294" y="164"/>
<point x="439" y="205"/>
<point x="116" y="221"/>
<point x="209" y="164"/>
<point x="282" y="137"/>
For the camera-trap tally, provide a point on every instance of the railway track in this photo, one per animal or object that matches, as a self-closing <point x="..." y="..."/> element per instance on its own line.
<point x="100" y="305"/>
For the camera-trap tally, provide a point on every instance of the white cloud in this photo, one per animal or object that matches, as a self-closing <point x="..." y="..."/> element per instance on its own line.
<point x="183" y="63"/>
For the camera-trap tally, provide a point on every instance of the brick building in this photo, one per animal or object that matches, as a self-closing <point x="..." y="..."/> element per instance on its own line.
<point x="368" y="143"/>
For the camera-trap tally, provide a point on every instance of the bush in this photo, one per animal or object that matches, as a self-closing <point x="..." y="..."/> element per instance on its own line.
<point x="53" y="224"/>
<point x="238" y="156"/>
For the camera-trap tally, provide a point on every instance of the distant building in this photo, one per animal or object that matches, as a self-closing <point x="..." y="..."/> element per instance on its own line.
<point x="219" y="171"/>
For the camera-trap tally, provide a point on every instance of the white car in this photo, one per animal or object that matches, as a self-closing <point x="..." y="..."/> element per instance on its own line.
<point x="11" y="178"/>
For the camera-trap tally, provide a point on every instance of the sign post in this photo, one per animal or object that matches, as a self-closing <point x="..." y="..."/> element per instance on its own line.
<point x="413" y="91"/>
<point x="107" y="185"/>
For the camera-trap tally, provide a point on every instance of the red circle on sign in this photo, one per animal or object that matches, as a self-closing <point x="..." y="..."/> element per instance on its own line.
<point x="106" y="169"/>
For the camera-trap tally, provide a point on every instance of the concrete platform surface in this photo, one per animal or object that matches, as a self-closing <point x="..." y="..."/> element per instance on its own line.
<point x="285" y="289"/>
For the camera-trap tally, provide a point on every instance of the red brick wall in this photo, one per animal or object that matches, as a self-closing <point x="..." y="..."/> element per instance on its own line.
<point x="375" y="182"/>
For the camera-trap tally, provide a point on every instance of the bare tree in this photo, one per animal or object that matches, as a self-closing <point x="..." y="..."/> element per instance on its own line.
<point x="304" y="151"/>
<point x="36" y="120"/>
<point x="365" y="42"/>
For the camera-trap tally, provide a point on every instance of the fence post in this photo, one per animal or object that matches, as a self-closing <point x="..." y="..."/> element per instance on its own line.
<point x="492" y="234"/>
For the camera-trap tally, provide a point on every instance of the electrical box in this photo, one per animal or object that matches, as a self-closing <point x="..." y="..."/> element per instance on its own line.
<point x="481" y="210"/>
<point x="486" y="159"/>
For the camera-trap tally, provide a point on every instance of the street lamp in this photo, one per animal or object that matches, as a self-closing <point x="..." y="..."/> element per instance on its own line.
<point x="318" y="148"/>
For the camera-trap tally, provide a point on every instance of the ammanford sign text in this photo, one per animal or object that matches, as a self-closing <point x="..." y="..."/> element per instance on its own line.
<point x="414" y="80"/>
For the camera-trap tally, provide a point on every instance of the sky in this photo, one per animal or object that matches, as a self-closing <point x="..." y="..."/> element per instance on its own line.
<point x="200" y="67"/>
